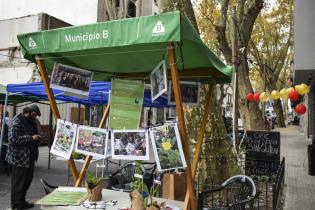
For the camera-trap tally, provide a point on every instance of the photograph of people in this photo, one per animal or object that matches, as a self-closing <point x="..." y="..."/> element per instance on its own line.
<point x="71" y="79"/>
<point x="189" y="91"/>
<point x="130" y="145"/>
<point x="91" y="141"/>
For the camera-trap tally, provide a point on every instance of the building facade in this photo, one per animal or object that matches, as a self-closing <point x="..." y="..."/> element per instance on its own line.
<point x="304" y="59"/>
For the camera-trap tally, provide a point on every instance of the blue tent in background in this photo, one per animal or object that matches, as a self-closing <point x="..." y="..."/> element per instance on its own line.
<point x="98" y="94"/>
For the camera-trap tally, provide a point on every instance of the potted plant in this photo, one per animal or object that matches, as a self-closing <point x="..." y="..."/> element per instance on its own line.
<point x="146" y="198"/>
<point x="94" y="186"/>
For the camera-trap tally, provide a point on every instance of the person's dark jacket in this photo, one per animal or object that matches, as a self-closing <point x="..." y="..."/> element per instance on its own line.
<point x="21" y="148"/>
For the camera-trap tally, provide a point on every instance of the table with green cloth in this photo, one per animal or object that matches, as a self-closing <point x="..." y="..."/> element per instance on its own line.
<point x="123" y="200"/>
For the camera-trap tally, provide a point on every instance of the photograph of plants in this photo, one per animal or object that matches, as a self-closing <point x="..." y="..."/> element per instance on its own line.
<point x="64" y="139"/>
<point x="91" y="141"/>
<point x="167" y="147"/>
<point x="130" y="144"/>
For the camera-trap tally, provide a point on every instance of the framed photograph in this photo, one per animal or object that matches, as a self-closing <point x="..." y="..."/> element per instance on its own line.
<point x="158" y="81"/>
<point x="130" y="144"/>
<point x="189" y="90"/>
<point x="92" y="141"/>
<point x="167" y="147"/>
<point x="71" y="79"/>
<point x="64" y="139"/>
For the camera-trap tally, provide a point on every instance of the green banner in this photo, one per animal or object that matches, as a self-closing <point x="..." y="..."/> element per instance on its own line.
<point x="126" y="104"/>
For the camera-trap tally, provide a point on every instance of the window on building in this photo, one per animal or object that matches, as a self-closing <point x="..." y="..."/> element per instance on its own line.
<point x="132" y="9"/>
<point x="229" y="98"/>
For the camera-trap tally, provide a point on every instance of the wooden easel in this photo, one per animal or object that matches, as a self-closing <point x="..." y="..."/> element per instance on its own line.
<point x="190" y="201"/>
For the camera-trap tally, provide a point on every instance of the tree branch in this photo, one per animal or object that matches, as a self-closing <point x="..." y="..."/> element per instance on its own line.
<point x="240" y="9"/>
<point x="220" y="31"/>
<point x="249" y="19"/>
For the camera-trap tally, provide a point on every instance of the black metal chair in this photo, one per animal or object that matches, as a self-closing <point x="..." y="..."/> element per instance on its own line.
<point x="121" y="179"/>
<point x="47" y="187"/>
<point x="234" y="194"/>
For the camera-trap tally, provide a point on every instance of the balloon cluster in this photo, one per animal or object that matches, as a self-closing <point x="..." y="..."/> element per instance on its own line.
<point x="291" y="93"/>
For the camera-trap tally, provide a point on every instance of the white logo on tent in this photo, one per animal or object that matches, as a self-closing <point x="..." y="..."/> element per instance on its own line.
<point x="31" y="43"/>
<point x="158" y="29"/>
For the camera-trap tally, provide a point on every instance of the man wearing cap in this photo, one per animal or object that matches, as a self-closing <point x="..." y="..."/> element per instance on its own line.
<point x="22" y="154"/>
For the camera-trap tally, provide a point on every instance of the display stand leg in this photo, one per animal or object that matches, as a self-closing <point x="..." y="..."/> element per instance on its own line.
<point x="53" y="106"/>
<point x="201" y="135"/>
<point x="181" y="123"/>
<point x="89" y="158"/>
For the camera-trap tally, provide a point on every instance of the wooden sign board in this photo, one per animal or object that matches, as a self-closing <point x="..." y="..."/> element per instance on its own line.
<point x="262" y="152"/>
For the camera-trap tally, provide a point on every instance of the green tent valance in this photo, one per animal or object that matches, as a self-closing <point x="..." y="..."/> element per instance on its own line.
<point x="128" y="48"/>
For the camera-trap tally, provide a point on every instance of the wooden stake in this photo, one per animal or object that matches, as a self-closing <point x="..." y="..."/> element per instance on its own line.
<point x="181" y="123"/>
<point x="202" y="131"/>
<point x="89" y="157"/>
<point x="54" y="108"/>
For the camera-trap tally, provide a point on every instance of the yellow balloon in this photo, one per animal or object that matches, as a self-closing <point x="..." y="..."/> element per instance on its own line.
<point x="300" y="89"/>
<point x="289" y="89"/>
<point x="305" y="89"/>
<point x="275" y="95"/>
<point x="263" y="97"/>
<point x="284" y="93"/>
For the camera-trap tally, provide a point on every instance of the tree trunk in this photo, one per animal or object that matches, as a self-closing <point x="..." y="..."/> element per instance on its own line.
<point x="277" y="104"/>
<point x="279" y="113"/>
<point x="102" y="14"/>
<point x="250" y="112"/>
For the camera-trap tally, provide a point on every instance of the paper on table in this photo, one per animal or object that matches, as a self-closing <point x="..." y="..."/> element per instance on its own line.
<point x="63" y="197"/>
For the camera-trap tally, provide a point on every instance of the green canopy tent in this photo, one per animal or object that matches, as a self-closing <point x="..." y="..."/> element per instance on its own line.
<point x="131" y="48"/>
<point x="128" y="48"/>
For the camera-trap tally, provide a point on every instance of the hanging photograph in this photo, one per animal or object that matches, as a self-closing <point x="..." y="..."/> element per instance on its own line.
<point x="126" y="104"/>
<point x="189" y="91"/>
<point x="92" y="141"/>
<point x="167" y="147"/>
<point x="158" y="81"/>
<point x="130" y="144"/>
<point x="64" y="139"/>
<point x="71" y="79"/>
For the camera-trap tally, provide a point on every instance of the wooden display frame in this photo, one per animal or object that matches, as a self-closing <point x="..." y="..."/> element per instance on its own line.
<point x="191" y="169"/>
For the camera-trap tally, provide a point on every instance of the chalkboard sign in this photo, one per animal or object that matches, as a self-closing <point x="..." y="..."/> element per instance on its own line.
<point x="262" y="152"/>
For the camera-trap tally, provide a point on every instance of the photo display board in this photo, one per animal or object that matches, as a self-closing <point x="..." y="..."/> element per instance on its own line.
<point x="189" y="90"/>
<point x="262" y="155"/>
<point x="126" y="104"/>
<point x="71" y="79"/>
<point x="130" y="144"/>
<point x="64" y="139"/>
<point x="167" y="147"/>
<point x="92" y="141"/>
<point x="158" y="81"/>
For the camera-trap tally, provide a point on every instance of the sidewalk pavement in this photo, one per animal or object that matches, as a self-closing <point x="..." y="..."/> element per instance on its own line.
<point x="300" y="187"/>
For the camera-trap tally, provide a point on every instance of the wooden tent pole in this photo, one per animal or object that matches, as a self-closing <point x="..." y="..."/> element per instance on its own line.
<point x="54" y="108"/>
<point x="202" y="131"/>
<point x="181" y="123"/>
<point x="89" y="157"/>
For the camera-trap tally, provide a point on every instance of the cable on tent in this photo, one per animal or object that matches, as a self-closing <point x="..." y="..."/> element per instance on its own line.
<point x="95" y="54"/>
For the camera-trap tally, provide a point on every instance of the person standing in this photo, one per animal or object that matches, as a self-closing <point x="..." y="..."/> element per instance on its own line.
<point x="22" y="154"/>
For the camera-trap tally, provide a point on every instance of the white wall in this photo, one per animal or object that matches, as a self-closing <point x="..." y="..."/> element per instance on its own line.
<point x="75" y="12"/>
<point x="64" y="109"/>
<point x="304" y="34"/>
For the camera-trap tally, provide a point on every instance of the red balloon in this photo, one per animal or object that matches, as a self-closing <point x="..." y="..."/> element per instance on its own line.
<point x="300" y="109"/>
<point x="293" y="95"/>
<point x="250" y="97"/>
<point x="256" y="96"/>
